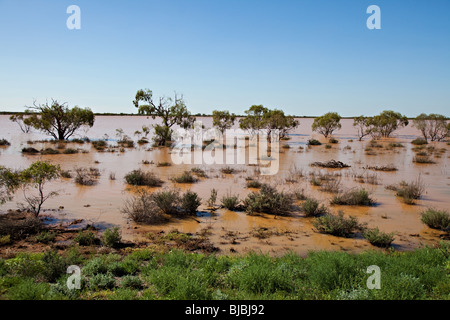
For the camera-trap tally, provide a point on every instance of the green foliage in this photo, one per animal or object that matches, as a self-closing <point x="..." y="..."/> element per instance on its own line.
<point x="9" y="182"/>
<point x="86" y="238"/>
<point x="353" y="197"/>
<point x="409" y="191"/>
<point x="141" y="178"/>
<point x="112" y="237"/>
<point x="436" y="219"/>
<point x="311" y="208"/>
<point x="58" y="120"/>
<point x="46" y="236"/>
<point x="4" y="240"/>
<point x="223" y="120"/>
<point x="185" y="177"/>
<point x="269" y="200"/>
<point x="337" y="225"/>
<point x="171" y="112"/>
<point x="327" y="124"/>
<point x="432" y="126"/>
<point x="167" y="200"/>
<point x="231" y="202"/>
<point x="36" y="176"/>
<point x="365" y="126"/>
<point x="314" y="142"/>
<point x="102" y="281"/>
<point x="378" y="238"/>
<point x="254" y="184"/>
<point x="190" y="202"/>
<point x="131" y="282"/>
<point x="387" y="122"/>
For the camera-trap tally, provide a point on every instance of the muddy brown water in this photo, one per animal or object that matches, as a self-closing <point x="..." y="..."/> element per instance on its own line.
<point x="101" y="204"/>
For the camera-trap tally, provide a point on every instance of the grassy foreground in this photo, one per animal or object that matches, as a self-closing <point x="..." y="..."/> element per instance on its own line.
<point x="149" y="274"/>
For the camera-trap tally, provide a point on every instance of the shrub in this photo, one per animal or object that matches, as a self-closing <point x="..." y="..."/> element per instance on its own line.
<point x="314" y="142"/>
<point x="436" y="219"/>
<point x="199" y="172"/>
<point x="4" y="240"/>
<point x="142" y="208"/>
<point x="54" y="266"/>
<point x="46" y="237"/>
<point x="4" y="142"/>
<point x="190" y="202"/>
<point x="30" y="150"/>
<point x="100" y="145"/>
<point x="102" y="281"/>
<point x="419" y="141"/>
<point x="95" y="266"/>
<point x="269" y="200"/>
<point x="409" y="191"/>
<point x="163" y="164"/>
<point x="353" y="198"/>
<point x="87" y="238"/>
<point x="111" y="237"/>
<point x="255" y="184"/>
<point x="86" y="177"/>
<point x="311" y="208"/>
<point x="140" y="178"/>
<point x="131" y="282"/>
<point x="337" y="225"/>
<point x="378" y="238"/>
<point x="185" y="177"/>
<point x="230" y="202"/>
<point x="66" y="174"/>
<point x="333" y="141"/>
<point x="422" y="159"/>
<point x="49" y="151"/>
<point x="228" y="170"/>
<point x="167" y="200"/>
<point x="70" y="151"/>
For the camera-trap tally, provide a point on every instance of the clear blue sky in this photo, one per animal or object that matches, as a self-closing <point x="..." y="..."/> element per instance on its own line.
<point x="306" y="57"/>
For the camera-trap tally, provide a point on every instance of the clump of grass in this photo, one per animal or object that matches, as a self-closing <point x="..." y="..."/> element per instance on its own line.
<point x="386" y="168"/>
<point x="423" y="159"/>
<point x="254" y="184"/>
<point x="131" y="282"/>
<point x="396" y="145"/>
<point x="46" y="237"/>
<point x="100" y="145"/>
<point x="337" y="225"/>
<point x="146" y="162"/>
<point x="436" y="219"/>
<point x="112" y="237"/>
<point x="331" y="185"/>
<point x="30" y="150"/>
<point x="419" y="142"/>
<point x="312" y="208"/>
<point x="409" y="192"/>
<point x="314" y="142"/>
<point x="66" y="174"/>
<point x="378" y="238"/>
<point x="185" y="177"/>
<point x="353" y="197"/>
<point x="70" y="151"/>
<point x="228" y="170"/>
<point x="199" y="172"/>
<point x="328" y="146"/>
<point x="230" y="202"/>
<point x="4" y="240"/>
<point x="333" y="141"/>
<point x="49" y="151"/>
<point x="286" y="146"/>
<point x="141" y="178"/>
<point x="164" y="164"/>
<point x="269" y="200"/>
<point x="4" y="142"/>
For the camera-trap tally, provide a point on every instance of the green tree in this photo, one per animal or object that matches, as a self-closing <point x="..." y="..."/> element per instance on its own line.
<point x="223" y="120"/>
<point x="36" y="177"/>
<point x="327" y="124"/>
<point x="277" y="120"/>
<point x="432" y="126"/>
<point x="9" y="182"/>
<point x="364" y="126"/>
<point x="388" y="121"/>
<point x="20" y="120"/>
<point x="253" y="122"/>
<point x="58" y="120"/>
<point x="171" y="112"/>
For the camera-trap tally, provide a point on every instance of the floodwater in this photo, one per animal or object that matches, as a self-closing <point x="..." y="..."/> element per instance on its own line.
<point x="101" y="204"/>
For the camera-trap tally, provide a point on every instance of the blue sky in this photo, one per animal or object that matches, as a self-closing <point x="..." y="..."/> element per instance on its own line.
<point x="306" y="57"/>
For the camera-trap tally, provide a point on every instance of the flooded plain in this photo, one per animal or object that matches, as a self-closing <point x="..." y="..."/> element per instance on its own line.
<point x="101" y="204"/>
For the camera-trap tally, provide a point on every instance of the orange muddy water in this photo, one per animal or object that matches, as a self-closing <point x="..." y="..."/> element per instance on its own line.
<point x="101" y="204"/>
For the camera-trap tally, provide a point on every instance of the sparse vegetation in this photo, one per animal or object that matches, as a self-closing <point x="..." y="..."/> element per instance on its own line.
<point x="409" y="192"/>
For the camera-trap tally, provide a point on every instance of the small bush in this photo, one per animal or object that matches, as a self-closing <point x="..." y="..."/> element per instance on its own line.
<point x="167" y="201"/>
<point x="46" y="237"/>
<point x="131" y="282"/>
<point x="254" y="184"/>
<point x="228" y="170"/>
<point x="353" y="198"/>
<point x="66" y="174"/>
<point x="49" y="151"/>
<point x="230" y="202"/>
<point x="4" y="240"/>
<point x="30" y="150"/>
<point x="86" y="177"/>
<point x="199" y="172"/>
<point x="100" y="145"/>
<point x="111" y="237"/>
<point x="378" y="238"/>
<point x="311" y="208"/>
<point x="333" y="141"/>
<point x="314" y="142"/>
<point x="86" y="238"/>
<point x="54" y="266"/>
<point x="436" y="219"/>
<point x="269" y="200"/>
<point x="337" y="225"/>
<point x="409" y="192"/>
<point x="185" y="177"/>
<point x="102" y="281"/>
<point x="4" y="142"/>
<point x="419" y="142"/>
<point x="142" y="208"/>
<point x="140" y="178"/>
<point x="70" y="151"/>
<point x="163" y="164"/>
<point x="190" y="202"/>
<point x="423" y="159"/>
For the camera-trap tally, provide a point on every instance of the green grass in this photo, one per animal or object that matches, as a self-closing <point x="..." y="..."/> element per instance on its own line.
<point x="322" y="275"/>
